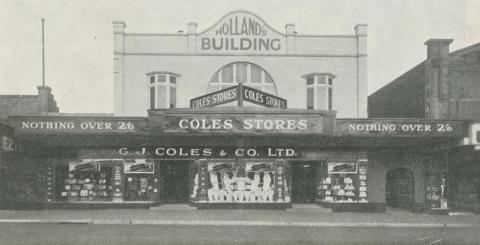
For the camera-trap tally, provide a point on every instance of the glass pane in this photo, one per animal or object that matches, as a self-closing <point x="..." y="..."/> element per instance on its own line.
<point x="231" y="182"/>
<point x="139" y="180"/>
<point x="256" y="74"/>
<point x="310" y="80"/>
<point x="242" y="72"/>
<point x="85" y="180"/>
<point x="268" y="78"/>
<point x="321" y="79"/>
<point x="162" y="97"/>
<point x="321" y="98"/>
<point x="330" y="94"/>
<point x="162" y="78"/>
<point x="173" y="79"/>
<point x="310" y="94"/>
<point x="173" y="97"/>
<point x="258" y="87"/>
<point x="227" y="74"/>
<point x="152" y="98"/>
<point x="270" y="90"/>
<point x="152" y="79"/>
<point x="214" y="78"/>
<point x="212" y="89"/>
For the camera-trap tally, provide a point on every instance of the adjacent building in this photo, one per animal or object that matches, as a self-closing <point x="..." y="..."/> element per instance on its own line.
<point x="43" y="102"/>
<point x="444" y="86"/>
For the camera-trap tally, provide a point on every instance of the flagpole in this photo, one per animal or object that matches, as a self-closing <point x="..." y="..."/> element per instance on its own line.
<point x="43" y="52"/>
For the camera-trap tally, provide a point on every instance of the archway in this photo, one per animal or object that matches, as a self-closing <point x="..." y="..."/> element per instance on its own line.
<point x="400" y="188"/>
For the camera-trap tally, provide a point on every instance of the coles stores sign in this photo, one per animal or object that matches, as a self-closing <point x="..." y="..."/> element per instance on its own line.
<point x="247" y="124"/>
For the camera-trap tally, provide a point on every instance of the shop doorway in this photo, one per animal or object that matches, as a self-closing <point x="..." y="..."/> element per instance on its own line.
<point x="400" y="189"/>
<point x="174" y="176"/>
<point x="303" y="182"/>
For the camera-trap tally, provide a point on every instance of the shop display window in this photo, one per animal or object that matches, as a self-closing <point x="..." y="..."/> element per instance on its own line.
<point x="85" y="180"/>
<point x="106" y="180"/>
<point x="232" y="181"/>
<point x="344" y="182"/>
<point x="140" y="181"/>
<point x="436" y="183"/>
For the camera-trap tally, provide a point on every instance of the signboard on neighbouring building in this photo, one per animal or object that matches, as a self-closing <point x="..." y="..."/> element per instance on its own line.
<point x="400" y="127"/>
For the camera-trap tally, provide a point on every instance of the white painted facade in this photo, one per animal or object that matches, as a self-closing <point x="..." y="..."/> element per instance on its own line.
<point x="287" y="57"/>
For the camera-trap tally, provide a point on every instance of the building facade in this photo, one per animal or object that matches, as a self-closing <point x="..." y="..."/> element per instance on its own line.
<point x="238" y="115"/>
<point x="444" y="86"/>
<point x="44" y="102"/>
<point x="165" y="70"/>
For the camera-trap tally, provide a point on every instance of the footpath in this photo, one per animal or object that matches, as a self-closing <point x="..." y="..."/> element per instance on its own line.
<point x="307" y="216"/>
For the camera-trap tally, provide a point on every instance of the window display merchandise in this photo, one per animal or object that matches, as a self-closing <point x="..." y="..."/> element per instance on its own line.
<point x="87" y="180"/>
<point x="140" y="182"/>
<point x="106" y="180"/>
<point x="436" y="183"/>
<point x="344" y="182"/>
<point x="232" y="181"/>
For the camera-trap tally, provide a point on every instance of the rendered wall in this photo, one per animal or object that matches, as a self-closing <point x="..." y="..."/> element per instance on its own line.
<point x="286" y="72"/>
<point x="381" y="162"/>
<point x="137" y="54"/>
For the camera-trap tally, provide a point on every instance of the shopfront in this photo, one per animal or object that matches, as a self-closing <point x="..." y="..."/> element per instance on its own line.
<point x="237" y="158"/>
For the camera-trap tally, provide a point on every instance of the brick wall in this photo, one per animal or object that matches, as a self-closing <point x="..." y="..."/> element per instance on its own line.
<point x="402" y="98"/>
<point x="28" y="104"/>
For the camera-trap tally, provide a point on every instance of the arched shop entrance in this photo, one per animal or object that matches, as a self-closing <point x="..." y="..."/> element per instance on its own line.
<point x="400" y="188"/>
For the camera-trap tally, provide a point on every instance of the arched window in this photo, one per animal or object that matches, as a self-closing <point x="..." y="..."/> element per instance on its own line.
<point x="319" y="91"/>
<point x="163" y="90"/>
<point x="242" y="72"/>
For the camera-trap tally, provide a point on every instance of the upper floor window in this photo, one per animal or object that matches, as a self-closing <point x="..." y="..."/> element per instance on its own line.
<point x="319" y="91"/>
<point x="242" y="72"/>
<point x="163" y="90"/>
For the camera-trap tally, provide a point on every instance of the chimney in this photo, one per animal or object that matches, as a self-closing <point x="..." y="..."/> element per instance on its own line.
<point x="192" y="37"/>
<point x="290" y="38"/>
<point x="46" y="101"/>
<point x="437" y="86"/>
<point x="438" y="48"/>
<point x="290" y="29"/>
<point x="192" y="28"/>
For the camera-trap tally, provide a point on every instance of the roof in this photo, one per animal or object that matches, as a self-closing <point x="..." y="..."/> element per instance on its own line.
<point x="474" y="47"/>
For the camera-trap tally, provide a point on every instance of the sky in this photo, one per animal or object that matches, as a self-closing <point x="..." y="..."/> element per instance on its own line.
<point x="79" y="36"/>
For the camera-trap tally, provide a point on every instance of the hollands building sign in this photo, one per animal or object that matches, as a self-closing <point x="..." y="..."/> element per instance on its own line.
<point x="241" y="32"/>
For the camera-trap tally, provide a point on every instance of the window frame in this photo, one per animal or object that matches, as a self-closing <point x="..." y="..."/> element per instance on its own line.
<point x="262" y="85"/>
<point x="170" y="81"/>
<point x="320" y="80"/>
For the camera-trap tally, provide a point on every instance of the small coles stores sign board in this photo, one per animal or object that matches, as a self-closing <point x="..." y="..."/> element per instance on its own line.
<point x="239" y="93"/>
<point x="241" y="32"/>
